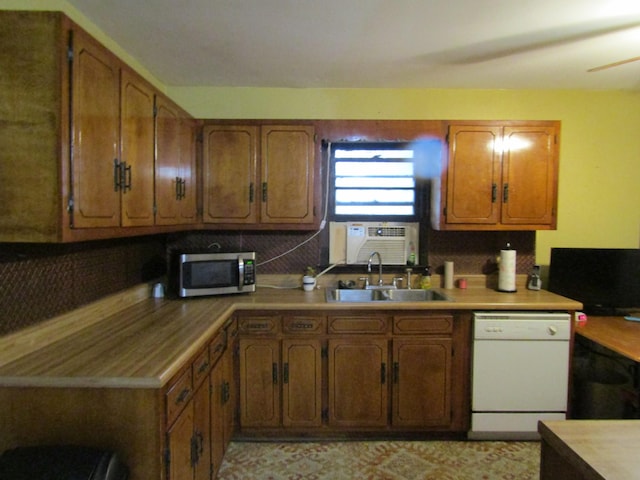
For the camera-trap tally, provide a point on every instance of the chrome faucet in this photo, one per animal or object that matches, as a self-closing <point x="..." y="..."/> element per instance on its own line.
<point x="379" y="267"/>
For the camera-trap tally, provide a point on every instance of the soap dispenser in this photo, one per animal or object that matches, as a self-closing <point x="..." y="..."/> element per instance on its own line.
<point x="425" y="280"/>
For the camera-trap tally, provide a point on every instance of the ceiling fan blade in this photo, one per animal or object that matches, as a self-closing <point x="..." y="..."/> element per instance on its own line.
<point x="614" y="64"/>
<point x="537" y="40"/>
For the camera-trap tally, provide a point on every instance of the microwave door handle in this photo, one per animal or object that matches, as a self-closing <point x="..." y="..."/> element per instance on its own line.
<point x="240" y="273"/>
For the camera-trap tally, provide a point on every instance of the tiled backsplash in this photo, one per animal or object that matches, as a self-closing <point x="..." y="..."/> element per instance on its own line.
<point x="38" y="282"/>
<point x="41" y="281"/>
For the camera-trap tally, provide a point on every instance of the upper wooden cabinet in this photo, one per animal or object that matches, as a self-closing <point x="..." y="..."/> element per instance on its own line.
<point x="175" y="170"/>
<point x="78" y="137"/>
<point x="499" y="176"/>
<point x="259" y="176"/>
<point x="111" y="139"/>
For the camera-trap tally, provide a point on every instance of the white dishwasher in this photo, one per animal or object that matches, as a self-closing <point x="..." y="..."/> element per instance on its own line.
<point x="520" y="372"/>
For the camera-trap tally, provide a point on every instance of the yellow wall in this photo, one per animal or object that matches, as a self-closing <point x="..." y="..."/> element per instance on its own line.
<point x="599" y="191"/>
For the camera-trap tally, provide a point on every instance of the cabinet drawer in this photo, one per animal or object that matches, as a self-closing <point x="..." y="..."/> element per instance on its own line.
<point x="200" y="367"/>
<point x="300" y="324"/>
<point x="423" y="323"/>
<point x="217" y="346"/>
<point x="231" y="327"/>
<point x="358" y="324"/>
<point x="263" y="325"/>
<point x="178" y="395"/>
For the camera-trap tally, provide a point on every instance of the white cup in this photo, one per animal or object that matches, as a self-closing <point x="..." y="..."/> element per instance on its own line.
<point x="158" y="291"/>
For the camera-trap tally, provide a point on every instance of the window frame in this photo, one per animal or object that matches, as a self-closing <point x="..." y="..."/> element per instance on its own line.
<point x="421" y="188"/>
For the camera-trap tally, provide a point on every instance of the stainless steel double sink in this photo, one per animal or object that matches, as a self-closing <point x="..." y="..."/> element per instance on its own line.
<point x="383" y="295"/>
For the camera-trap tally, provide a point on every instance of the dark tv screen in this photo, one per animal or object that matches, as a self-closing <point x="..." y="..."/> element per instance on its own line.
<point x="605" y="280"/>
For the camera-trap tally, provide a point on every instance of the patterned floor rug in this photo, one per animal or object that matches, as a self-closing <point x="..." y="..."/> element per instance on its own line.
<point x="382" y="460"/>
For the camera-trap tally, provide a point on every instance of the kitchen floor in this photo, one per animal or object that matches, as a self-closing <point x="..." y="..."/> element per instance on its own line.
<point x="382" y="460"/>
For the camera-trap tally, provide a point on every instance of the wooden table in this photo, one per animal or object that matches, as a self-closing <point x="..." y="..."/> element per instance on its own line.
<point x="617" y="334"/>
<point x="590" y="449"/>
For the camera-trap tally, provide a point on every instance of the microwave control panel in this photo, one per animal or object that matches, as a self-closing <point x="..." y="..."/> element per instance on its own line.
<point x="249" y="272"/>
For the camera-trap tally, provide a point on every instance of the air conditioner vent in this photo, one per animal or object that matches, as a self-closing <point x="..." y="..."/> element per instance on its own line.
<point x="386" y="231"/>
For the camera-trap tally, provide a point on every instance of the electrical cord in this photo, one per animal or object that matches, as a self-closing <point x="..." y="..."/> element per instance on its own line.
<point x="323" y="222"/>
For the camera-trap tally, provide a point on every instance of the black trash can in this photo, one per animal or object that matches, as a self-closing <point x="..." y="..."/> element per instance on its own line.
<point x="61" y="463"/>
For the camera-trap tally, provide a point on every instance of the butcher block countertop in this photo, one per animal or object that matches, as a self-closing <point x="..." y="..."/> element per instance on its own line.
<point x="590" y="449"/>
<point x="130" y="340"/>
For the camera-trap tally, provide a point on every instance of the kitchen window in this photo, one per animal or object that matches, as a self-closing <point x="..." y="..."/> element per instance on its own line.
<point x="380" y="181"/>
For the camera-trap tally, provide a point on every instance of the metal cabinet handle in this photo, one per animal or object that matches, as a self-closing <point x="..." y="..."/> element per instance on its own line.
<point x="505" y="193"/>
<point x="127" y="177"/>
<point x="285" y="373"/>
<point x="181" y="188"/>
<point x="116" y="175"/>
<point x="203" y="367"/>
<point x="494" y="193"/>
<point x="383" y="373"/>
<point x="183" y="396"/>
<point x="396" y="372"/>
<point x="274" y="373"/>
<point x="177" y="188"/>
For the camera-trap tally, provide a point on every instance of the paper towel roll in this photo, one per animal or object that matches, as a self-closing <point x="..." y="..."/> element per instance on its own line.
<point x="507" y="271"/>
<point x="448" y="274"/>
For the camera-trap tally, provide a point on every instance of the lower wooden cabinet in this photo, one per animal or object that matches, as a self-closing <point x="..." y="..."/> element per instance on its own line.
<point x="259" y="382"/>
<point x="421" y="382"/>
<point x="357" y="380"/>
<point x="222" y="406"/>
<point x="280" y="379"/>
<point x="189" y="441"/>
<point x="301" y="382"/>
<point x="370" y="372"/>
<point x="201" y="410"/>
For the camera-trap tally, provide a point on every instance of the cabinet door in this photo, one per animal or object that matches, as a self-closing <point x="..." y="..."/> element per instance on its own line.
<point x="217" y="414"/>
<point x="530" y="176"/>
<point x="168" y="140"/>
<point x="259" y="382"/>
<point x="421" y="382"/>
<point x="222" y="406"/>
<point x="229" y="180"/>
<point x="301" y="382"/>
<point x="189" y="440"/>
<point x="473" y="175"/>
<point x="201" y="439"/>
<point x="188" y="189"/>
<point x="95" y="103"/>
<point x="179" y="440"/>
<point x="287" y="174"/>
<point x="358" y="382"/>
<point x="136" y="129"/>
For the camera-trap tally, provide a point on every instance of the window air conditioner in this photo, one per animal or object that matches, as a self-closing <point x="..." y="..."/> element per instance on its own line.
<point x="392" y="240"/>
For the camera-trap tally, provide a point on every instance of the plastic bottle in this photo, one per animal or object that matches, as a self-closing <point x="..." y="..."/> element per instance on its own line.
<point x="425" y="280"/>
<point x="411" y="260"/>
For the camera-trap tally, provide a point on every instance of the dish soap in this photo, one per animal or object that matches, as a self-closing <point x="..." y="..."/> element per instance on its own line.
<point x="411" y="260"/>
<point x="425" y="280"/>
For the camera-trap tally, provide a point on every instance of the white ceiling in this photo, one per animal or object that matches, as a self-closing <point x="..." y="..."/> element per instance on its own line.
<point x="508" y="44"/>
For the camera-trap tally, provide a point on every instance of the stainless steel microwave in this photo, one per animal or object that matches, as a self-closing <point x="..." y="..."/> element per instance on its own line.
<point x="196" y="274"/>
